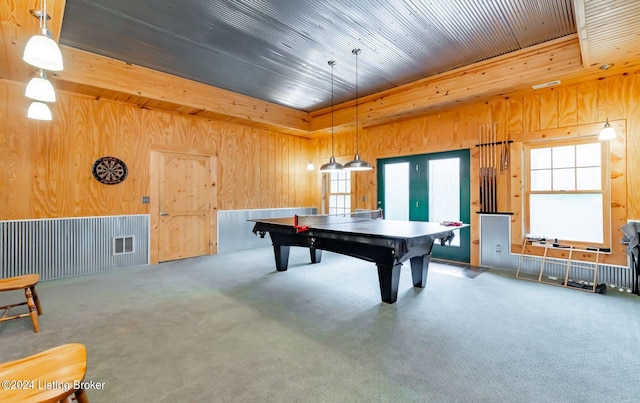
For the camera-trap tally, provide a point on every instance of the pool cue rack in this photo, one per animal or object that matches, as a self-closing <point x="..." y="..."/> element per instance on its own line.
<point x="494" y="160"/>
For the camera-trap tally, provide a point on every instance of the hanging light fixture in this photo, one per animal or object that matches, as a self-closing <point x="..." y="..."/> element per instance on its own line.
<point x="607" y="132"/>
<point x="310" y="166"/>
<point x="41" y="50"/>
<point x="40" y="89"/>
<point x="39" y="111"/>
<point x="357" y="164"/>
<point x="332" y="165"/>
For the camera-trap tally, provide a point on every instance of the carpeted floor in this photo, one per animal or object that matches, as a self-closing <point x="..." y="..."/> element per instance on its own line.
<point x="229" y="328"/>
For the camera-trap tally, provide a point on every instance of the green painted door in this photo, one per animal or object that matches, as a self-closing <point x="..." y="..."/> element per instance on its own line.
<point x="429" y="187"/>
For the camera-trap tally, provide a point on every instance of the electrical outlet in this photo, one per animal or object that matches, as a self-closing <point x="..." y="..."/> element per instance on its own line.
<point x="498" y="248"/>
<point x="145" y="200"/>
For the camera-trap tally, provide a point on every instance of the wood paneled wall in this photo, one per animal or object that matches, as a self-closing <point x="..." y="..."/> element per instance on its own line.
<point x="45" y="167"/>
<point x="556" y="112"/>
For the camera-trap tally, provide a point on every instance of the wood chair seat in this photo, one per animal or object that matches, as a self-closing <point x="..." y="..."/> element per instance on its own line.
<point x="28" y="283"/>
<point x="50" y="376"/>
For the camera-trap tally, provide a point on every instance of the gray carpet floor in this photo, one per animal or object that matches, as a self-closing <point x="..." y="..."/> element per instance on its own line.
<point x="229" y="328"/>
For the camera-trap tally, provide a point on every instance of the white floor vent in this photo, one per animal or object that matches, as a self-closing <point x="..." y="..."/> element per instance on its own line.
<point x="123" y="245"/>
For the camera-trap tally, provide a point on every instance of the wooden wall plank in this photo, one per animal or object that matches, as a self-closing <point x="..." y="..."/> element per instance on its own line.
<point x="632" y="157"/>
<point x="18" y="158"/>
<point x="567" y="106"/>
<point x="4" y="144"/>
<point x="515" y="111"/>
<point x="531" y="113"/>
<point x="548" y="109"/>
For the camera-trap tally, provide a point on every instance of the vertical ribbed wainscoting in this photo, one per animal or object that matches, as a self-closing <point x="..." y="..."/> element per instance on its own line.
<point x="56" y="248"/>
<point x="234" y="231"/>
<point x="495" y="253"/>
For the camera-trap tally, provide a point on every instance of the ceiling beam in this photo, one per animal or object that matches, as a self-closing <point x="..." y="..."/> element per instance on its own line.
<point x="497" y="76"/>
<point x="581" y="26"/>
<point x="90" y="69"/>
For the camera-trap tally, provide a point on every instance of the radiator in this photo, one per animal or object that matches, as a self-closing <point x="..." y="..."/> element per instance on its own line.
<point x="64" y="247"/>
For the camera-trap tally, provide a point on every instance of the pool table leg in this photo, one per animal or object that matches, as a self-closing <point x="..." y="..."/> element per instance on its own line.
<point x="389" y="278"/>
<point x="419" y="270"/>
<point x="316" y="255"/>
<point x="281" y="253"/>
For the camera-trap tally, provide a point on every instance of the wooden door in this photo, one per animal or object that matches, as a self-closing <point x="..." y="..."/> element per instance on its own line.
<point x="185" y="195"/>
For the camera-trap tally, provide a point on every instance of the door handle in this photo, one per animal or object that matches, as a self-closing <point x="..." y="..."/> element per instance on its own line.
<point x="164" y="213"/>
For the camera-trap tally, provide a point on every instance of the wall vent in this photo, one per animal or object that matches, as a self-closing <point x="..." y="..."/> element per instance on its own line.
<point x="123" y="245"/>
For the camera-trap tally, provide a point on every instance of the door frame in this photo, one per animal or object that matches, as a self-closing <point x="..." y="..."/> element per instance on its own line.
<point x="420" y="194"/>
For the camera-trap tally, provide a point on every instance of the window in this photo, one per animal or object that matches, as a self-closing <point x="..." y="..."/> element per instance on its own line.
<point x="566" y="194"/>
<point x="339" y="195"/>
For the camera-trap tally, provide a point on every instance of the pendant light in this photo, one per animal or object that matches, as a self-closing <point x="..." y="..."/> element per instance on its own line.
<point x="607" y="132"/>
<point x="39" y="111"/>
<point x="40" y="89"/>
<point x="41" y="50"/>
<point x="332" y="165"/>
<point x="357" y="164"/>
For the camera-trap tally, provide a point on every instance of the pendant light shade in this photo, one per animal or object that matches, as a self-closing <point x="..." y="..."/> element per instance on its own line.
<point x="39" y="111"/>
<point x="41" y="50"/>
<point x="40" y="89"/>
<point x="332" y="165"/>
<point x="607" y="132"/>
<point x="357" y="164"/>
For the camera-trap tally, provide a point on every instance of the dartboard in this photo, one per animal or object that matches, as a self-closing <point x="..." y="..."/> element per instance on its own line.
<point x="109" y="170"/>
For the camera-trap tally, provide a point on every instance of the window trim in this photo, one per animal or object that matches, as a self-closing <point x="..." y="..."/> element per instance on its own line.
<point x="605" y="190"/>
<point x="326" y="184"/>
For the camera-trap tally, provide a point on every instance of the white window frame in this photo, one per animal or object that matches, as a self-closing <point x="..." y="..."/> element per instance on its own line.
<point x="329" y="206"/>
<point x="604" y="190"/>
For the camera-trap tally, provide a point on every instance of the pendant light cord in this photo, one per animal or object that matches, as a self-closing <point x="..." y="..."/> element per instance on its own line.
<point x="606" y="90"/>
<point x="355" y="52"/>
<point x="332" y="63"/>
<point x="43" y="15"/>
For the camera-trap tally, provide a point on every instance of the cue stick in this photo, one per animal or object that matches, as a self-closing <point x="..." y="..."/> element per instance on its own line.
<point x="483" y="189"/>
<point x="487" y="159"/>
<point x="480" y="165"/>
<point x="487" y="164"/>
<point x="494" y="169"/>
<point x="492" y="163"/>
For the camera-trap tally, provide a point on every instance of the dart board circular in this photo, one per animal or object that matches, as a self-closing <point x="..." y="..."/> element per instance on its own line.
<point x="109" y="170"/>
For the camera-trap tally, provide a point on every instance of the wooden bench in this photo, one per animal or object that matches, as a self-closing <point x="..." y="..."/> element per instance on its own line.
<point x="53" y="375"/>
<point x="28" y="284"/>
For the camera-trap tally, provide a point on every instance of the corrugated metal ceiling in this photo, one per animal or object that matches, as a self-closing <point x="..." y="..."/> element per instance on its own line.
<point x="277" y="50"/>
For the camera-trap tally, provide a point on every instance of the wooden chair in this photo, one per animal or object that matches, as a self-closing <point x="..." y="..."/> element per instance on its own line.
<point x="55" y="375"/>
<point x="28" y="283"/>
